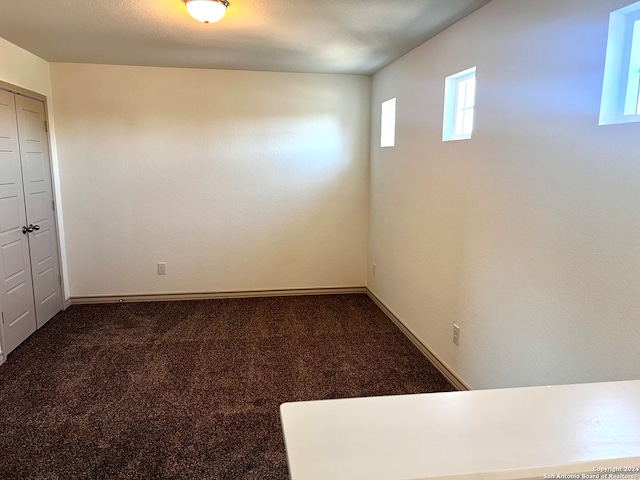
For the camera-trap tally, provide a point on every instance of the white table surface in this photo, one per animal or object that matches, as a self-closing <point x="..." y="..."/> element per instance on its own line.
<point x="506" y="433"/>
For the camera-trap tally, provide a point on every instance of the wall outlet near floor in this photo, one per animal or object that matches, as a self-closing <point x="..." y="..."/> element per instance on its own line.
<point x="373" y="269"/>
<point x="456" y="334"/>
<point x="162" y="268"/>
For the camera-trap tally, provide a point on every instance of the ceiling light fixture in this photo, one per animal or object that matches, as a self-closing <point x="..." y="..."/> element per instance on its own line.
<point x="207" y="11"/>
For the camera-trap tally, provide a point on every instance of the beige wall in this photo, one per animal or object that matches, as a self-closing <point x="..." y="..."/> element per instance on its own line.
<point x="238" y="180"/>
<point x="527" y="235"/>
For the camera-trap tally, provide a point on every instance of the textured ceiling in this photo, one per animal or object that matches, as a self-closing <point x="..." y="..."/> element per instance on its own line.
<point x="330" y="36"/>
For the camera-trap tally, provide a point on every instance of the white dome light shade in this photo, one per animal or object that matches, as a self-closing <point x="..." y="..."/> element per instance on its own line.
<point x="207" y="11"/>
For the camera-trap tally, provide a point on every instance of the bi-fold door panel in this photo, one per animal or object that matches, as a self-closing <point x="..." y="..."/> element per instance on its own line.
<point x="38" y="190"/>
<point x="16" y="292"/>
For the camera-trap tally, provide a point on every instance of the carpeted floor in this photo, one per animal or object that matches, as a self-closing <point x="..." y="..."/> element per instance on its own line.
<point x="190" y="390"/>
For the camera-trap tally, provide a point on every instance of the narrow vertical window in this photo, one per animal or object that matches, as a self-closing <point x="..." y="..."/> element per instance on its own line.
<point x="464" y="108"/>
<point x="621" y="85"/>
<point x="632" y="104"/>
<point x="388" y="124"/>
<point x="459" y="104"/>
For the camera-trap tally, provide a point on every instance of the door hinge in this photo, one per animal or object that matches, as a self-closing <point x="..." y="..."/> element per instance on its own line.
<point x="2" y="318"/>
<point x="59" y="279"/>
<point x="53" y="205"/>
<point x="46" y="126"/>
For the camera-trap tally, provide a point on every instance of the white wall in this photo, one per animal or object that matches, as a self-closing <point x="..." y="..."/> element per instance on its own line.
<point x="527" y="235"/>
<point x="26" y="70"/>
<point x="238" y="180"/>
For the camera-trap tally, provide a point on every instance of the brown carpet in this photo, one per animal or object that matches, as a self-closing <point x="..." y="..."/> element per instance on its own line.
<point x="190" y="390"/>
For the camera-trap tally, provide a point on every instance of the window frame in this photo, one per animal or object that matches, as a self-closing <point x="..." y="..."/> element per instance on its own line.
<point x="621" y="83"/>
<point x="388" y="118"/>
<point x="455" y="112"/>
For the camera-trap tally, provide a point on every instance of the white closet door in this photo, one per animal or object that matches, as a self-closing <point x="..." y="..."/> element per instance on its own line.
<point x="16" y="294"/>
<point x="38" y="190"/>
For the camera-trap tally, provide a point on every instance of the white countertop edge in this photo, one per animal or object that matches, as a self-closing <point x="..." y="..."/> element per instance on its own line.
<point x="586" y="420"/>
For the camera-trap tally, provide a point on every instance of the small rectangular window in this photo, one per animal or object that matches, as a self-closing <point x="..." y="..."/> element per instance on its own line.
<point x="632" y="106"/>
<point x="621" y="85"/>
<point x="459" y="104"/>
<point x="388" y="124"/>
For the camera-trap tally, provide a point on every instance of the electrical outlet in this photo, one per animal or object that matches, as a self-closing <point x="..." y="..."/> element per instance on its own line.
<point x="162" y="268"/>
<point x="374" y="269"/>
<point x="456" y="334"/>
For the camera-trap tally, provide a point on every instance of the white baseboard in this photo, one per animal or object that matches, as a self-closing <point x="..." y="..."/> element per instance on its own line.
<point x="426" y="351"/>
<point x="166" y="297"/>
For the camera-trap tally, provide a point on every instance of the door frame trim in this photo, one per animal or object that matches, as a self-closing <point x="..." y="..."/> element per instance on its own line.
<point x="24" y="92"/>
